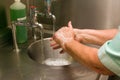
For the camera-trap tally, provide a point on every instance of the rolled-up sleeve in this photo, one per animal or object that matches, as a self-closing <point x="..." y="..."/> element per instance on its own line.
<point x="110" y="58"/>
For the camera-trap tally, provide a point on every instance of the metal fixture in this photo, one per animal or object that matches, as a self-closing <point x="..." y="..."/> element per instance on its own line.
<point x="47" y="17"/>
<point x="33" y="22"/>
<point x="14" y="24"/>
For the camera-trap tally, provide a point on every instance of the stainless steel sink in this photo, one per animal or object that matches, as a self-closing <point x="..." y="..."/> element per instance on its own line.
<point x="41" y="51"/>
<point x="74" y="71"/>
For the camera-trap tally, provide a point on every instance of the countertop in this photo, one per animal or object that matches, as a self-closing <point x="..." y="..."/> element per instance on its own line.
<point x="19" y="66"/>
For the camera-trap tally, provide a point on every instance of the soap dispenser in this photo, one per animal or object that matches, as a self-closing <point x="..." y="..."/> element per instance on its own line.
<point x="18" y="11"/>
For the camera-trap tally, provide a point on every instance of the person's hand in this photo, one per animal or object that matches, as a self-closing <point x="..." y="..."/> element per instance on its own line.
<point x="63" y="35"/>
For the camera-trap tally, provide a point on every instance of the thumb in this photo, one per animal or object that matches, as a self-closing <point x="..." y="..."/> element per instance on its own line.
<point x="70" y="25"/>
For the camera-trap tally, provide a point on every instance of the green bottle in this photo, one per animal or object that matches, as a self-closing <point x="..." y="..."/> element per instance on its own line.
<point x="18" y="11"/>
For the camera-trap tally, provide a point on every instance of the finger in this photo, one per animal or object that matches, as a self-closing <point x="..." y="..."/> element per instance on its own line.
<point x="70" y="25"/>
<point x="51" y="39"/>
<point x="62" y="51"/>
<point x="54" y="37"/>
<point x="53" y="44"/>
<point x="56" y="47"/>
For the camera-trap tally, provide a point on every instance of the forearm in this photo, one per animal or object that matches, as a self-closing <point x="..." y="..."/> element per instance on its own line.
<point x="65" y="37"/>
<point x="103" y="35"/>
<point x="97" y="37"/>
<point x="86" y="55"/>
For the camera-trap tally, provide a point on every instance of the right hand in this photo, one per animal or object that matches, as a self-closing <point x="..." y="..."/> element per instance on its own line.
<point x="63" y="35"/>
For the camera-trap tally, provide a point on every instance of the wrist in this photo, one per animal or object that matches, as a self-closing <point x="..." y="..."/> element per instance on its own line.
<point x="66" y="44"/>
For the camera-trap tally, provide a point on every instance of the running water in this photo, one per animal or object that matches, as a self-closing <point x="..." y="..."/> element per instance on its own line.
<point x="54" y="21"/>
<point x="56" y="59"/>
<point x="42" y="45"/>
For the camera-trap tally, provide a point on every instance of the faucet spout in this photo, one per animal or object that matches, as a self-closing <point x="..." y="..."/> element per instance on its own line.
<point x="40" y="27"/>
<point x="54" y="21"/>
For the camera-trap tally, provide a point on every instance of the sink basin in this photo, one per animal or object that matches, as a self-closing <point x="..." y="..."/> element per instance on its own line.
<point x="74" y="71"/>
<point x="42" y="52"/>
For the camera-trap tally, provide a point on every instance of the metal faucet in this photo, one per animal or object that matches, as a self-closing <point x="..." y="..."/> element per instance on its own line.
<point x="49" y="14"/>
<point x="47" y="17"/>
<point x="34" y="22"/>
